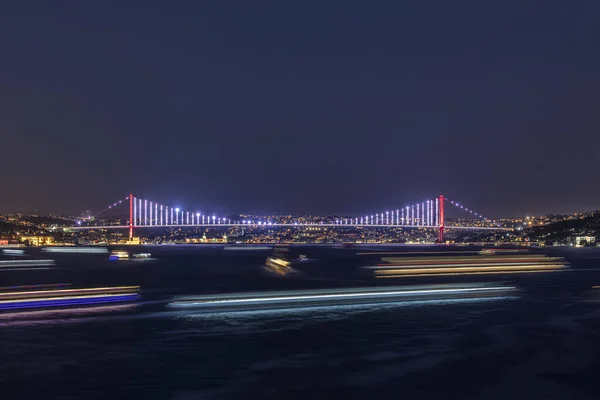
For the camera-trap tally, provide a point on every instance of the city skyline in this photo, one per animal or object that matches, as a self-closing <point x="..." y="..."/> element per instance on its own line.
<point x="301" y="108"/>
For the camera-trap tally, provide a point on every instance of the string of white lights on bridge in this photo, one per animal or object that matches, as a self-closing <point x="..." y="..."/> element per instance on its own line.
<point x="426" y="214"/>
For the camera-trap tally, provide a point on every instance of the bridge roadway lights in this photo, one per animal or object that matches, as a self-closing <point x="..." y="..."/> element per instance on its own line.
<point x="79" y="228"/>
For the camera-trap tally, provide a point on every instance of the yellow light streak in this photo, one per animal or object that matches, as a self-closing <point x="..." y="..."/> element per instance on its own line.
<point x="465" y="273"/>
<point x="36" y="300"/>
<point x="457" y="266"/>
<point x="466" y="269"/>
<point x="90" y="290"/>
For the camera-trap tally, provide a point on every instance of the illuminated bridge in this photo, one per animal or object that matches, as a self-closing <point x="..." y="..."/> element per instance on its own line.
<point x="144" y="213"/>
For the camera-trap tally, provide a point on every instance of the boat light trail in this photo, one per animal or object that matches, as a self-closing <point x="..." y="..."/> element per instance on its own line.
<point x="398" y="267"/>
<point x="468" y="269"/>
<point x="86" y="250"/>
<point x="26" y="263"/>
<point x="66" y="301"/>
<point x="368" y="295"/>
<point x="66" y="297"/>
<point x="69" y="292"/>
<point x="465" y="273"/>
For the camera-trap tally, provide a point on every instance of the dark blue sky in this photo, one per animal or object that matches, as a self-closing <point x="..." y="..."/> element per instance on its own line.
<point x="346" y="106"/>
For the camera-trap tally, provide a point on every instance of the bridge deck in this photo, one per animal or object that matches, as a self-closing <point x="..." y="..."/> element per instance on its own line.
<point x="287" y="226"/>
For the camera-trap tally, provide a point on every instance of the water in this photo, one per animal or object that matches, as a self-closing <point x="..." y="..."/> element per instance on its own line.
<point x="544" y="343"/>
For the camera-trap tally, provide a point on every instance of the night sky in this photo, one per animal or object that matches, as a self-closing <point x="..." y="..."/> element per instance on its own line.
<point x="304" y="106"/>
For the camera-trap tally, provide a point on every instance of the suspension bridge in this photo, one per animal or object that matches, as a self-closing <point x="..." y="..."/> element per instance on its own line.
<point x="428" y="214"/>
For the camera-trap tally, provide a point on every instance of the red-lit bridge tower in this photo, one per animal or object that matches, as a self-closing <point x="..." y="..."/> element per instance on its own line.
<point x="441" y="218"/>
<point x="130" y="217"/>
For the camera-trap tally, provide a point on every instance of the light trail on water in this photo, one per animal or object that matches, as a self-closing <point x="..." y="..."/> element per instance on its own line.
<point x="361" y="294"/>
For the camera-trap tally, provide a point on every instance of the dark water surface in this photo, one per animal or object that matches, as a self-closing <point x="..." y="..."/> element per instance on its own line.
<point x="543" y="343"/>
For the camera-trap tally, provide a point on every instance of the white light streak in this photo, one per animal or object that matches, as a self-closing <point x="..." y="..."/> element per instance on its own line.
<point x="337" y="296"/>
<point x="26" y="263"/>
<point x="75" y="249"/>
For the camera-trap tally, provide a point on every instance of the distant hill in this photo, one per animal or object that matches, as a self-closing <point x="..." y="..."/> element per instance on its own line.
<point x="561" y="231"/>
<point x="38" y="220"/>
<point x="8" y="228"/>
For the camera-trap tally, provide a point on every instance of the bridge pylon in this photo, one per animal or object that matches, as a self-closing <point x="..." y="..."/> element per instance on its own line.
<point x="441" y="218"/>
<point x="130" y="217"/>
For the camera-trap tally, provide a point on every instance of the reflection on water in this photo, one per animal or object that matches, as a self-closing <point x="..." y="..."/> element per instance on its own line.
<point x="61" y="316"/>
<point x="317" y="314"/>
